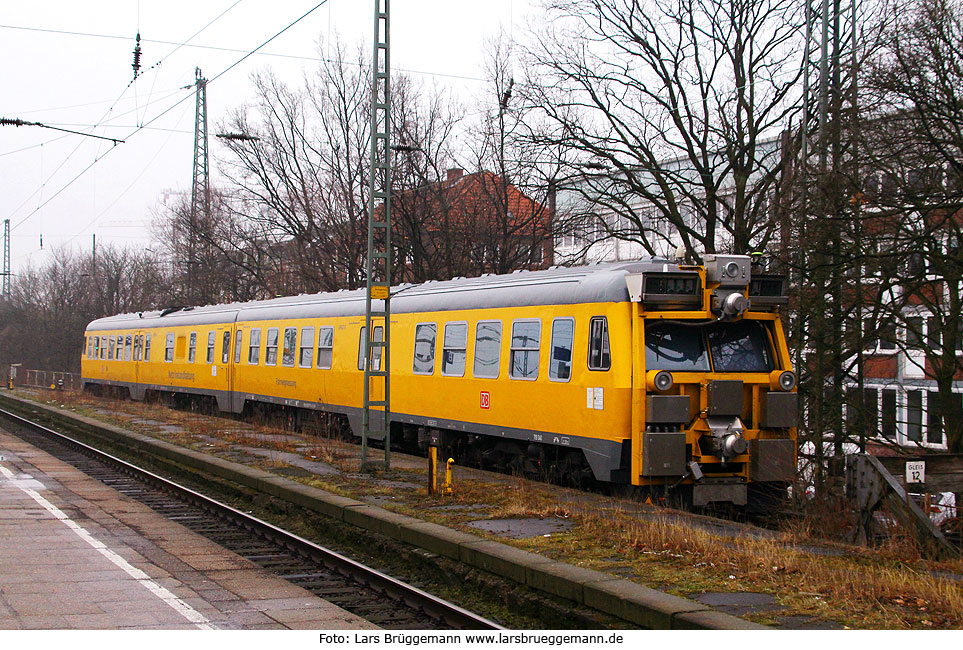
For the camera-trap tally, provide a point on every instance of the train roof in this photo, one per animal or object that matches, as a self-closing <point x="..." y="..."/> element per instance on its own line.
<point x="595" y="283"/>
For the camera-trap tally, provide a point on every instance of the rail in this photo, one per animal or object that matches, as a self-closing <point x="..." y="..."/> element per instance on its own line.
<point x="435" y="607"/>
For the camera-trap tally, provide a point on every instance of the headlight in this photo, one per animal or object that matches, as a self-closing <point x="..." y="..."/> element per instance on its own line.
<point x="782" y="380"/>
<point x="660" y="380"/>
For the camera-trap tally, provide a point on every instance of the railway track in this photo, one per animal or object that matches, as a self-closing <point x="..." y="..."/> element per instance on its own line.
<point x="370" y="594"/>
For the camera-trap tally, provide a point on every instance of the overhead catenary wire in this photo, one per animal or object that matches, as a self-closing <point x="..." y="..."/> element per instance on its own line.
<point x="231" y="50"/>
<point x="167" y="110"/>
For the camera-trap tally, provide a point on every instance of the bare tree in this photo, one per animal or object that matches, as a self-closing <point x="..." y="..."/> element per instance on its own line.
<point x="915" y="145"/>
<point x="676" y="104"/>
<point x="44" y="320"/>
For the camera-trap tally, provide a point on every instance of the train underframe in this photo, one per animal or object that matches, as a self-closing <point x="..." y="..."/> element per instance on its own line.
<point x="553" y="463"/>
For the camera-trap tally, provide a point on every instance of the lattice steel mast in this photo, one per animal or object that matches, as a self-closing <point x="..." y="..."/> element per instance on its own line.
<point x="6" y="259"/>
<point x="377" y="365"/>
<point x="200" y="187"/>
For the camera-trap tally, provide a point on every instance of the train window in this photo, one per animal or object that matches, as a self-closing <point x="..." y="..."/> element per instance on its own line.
<point x="94" y="352"/>
<point x="560" y="362"/>
<point x="488" y="344"/>
<point x="169" y="347"/>
<point x="238" y="340"/>
<point x="379" y="336"/>
<point x="306" y="356"/>
<point x="211" y="337"/>
<point x="361" y="341"/>
<point x="671" y="346"/>
<point x="254" y="347"/>
<point x="454" y="350"/>
<point x="119" y="350"/>
<point x="379" y="333"/>
<point x="192" y="348"/>
<point x="147" y="348"/>
<point x="599" y="356"/>
<point x="127" y="347"/>
<point x="271" y="347"/>
<point x="526" y="335"/>
<point x="325" y="346"/>
<point x="739" y="347"/>
<point x="111" y="342"/>
<point x="138" y="346"/>
<point x="290" y="345"/>
<point x="103" y="348"/>
<point x="424" y="361"/>
<point x="226" y="347"/>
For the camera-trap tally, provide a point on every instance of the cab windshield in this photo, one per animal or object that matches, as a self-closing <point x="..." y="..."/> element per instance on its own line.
<point x="722" y="347"/>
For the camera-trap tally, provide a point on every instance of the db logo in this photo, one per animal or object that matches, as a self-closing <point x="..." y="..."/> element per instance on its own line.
<point x="485" y="400"/>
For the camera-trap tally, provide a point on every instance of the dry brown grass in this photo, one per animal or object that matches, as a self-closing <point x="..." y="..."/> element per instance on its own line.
<point x="886" y="587"/>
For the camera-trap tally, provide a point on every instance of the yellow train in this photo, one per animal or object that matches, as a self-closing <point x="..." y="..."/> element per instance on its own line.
<point x="648" y="373"/>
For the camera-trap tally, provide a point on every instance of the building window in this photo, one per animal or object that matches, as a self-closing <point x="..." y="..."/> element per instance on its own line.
<point x="934" y="337"/>
<point x="934" y="423"/>
<point x="560" y="361"/>
<point x="424" y="353"/>
<point x="271" y="347"/>
<point x="488" y="348"/>
<point x="290" y="345"/>
<point x="887" y="336"/>
<point x="454" y="350"/>
<point x="888" y="413"/>
<point x="599" y="356"/>
<point x="192" y="348"/>
<point x="914" y="332"/>
<point x="870" y="411"/>
<point x="523" y="362"/>
<point x="914" y="416"/>
<point x="211" y="337"/>
<point x="325" y="346"/>
<point x="254" y="347"/>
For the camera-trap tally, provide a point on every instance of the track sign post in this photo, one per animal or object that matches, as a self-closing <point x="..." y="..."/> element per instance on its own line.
<point x="915" y="471"/>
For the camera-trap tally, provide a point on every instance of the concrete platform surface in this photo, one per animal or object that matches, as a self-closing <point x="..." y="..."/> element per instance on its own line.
<point x="75" y="554"/>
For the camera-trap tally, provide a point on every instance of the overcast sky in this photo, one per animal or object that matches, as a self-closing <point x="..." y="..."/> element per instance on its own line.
<point x="67" y="63"/>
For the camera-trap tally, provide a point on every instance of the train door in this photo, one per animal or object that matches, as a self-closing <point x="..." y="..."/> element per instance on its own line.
<point x="221" y="370"/>
<point x="240" y="336"/>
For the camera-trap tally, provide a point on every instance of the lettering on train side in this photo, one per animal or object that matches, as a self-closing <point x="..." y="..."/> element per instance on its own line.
<point x="187" y="376"/>
<point x="286" y="382"/>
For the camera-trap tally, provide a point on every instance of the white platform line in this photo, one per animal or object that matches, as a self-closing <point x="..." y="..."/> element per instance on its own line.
<point x="178" y="605"/>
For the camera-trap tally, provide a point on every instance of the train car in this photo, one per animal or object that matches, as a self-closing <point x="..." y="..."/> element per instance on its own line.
<point x="651" y="373"/>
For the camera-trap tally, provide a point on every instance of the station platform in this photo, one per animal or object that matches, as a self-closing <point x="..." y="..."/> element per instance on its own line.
<point x="75" y="554"/>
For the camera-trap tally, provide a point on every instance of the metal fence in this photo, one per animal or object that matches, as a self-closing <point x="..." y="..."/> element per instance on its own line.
<point x="49" y="379"/>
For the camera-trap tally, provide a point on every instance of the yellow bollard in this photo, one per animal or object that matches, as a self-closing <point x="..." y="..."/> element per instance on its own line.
<point x="432" y="470"/>
<point x="447" y="487"/>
